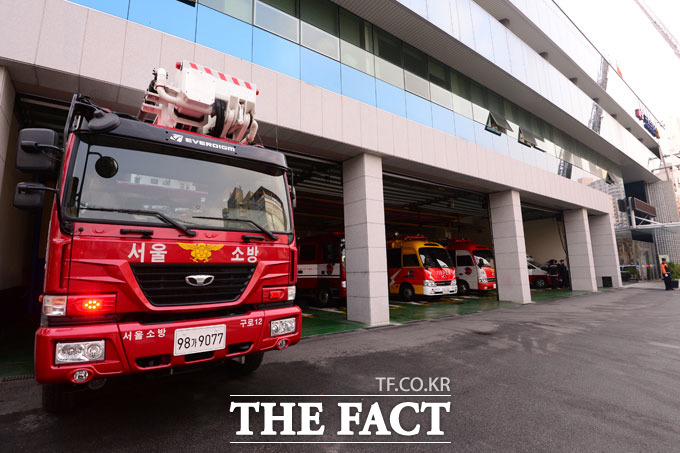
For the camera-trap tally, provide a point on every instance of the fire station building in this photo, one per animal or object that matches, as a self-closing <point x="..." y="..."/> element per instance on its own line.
<point x="490" y="120"/>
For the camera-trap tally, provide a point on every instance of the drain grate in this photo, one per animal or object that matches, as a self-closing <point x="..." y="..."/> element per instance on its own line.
<point x="23" y="377"/>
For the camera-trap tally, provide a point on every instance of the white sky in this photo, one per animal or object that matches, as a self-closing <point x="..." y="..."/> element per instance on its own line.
<point x="624" y="34"/>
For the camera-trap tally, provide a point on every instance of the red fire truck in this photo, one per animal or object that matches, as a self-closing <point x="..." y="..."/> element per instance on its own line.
<point x="418" y="267"/>
<point x="475" y="264"/>
<point x="321" y="268"/>
<point x="170" y="244"/>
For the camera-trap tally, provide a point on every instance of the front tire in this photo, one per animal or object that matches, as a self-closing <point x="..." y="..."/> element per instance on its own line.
<point x="540" y="283"/>
<point x="251" y="362"/>
<point x="58" y="398"/>
<point x="463" y="288"/>
<point x="406" y="292"/>
<point x="323" y="297"/>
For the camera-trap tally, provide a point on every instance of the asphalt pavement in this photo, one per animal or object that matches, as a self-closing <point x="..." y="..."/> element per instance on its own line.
<point x="598" y="372"/>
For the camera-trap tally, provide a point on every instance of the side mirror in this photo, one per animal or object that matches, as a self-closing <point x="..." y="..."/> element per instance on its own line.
<point x="37" y="151"/>
<point x="293" y="197"/>
<point x="30" y="196"/>
<point x="480" y="263"/>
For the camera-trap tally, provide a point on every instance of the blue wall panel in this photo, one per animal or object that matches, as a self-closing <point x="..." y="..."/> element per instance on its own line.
<point x="390" y="98"/>
<point x="418" y="109"/>
<point x="114" y="7"/>
<point x="464" y="127"/>
<point x="482" y="136"/>
<point x="170" y="16"/>
<point x="442" y="119"/>
<point x="217" y="30"/>
<point x="276" y="53"/>
<point x="357" y="85"/>
<point x="319" y="70"/>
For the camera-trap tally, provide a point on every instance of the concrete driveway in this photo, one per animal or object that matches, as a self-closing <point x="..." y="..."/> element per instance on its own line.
<point x="598" y="372"/>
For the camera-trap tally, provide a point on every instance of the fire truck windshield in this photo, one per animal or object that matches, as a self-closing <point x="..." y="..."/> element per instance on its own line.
<point x="109" y="183"/>
<point x="485" y="257"/>
<point x="435" y="257"/>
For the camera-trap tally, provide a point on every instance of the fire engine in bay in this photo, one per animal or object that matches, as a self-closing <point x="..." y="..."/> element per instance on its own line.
<point x="170" y="244"/>
<point x="417" y="267"/>
<point x="475" y="264"/>
<point x="321" y="268"/>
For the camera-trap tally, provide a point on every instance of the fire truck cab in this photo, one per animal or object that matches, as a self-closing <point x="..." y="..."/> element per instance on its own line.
<point x="321" y="268"/>
<point x="170" y="244"/>
<point x="418" y="267"/>
<point x="475" y="265"/>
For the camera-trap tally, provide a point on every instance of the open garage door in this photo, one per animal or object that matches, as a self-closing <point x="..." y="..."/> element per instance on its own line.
<point x="545" y="243"/>
<point x="421" y="216"/>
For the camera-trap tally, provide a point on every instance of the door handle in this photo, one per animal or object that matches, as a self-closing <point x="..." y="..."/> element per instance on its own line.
<point x="299" y="271"/>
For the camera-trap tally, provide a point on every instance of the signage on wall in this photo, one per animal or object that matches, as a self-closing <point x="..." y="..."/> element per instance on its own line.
<point x="647" y="123"/>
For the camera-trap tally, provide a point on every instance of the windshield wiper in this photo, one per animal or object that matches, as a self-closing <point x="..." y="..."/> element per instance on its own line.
<point x="183" y="228"/>
<point x="269" y="234"/>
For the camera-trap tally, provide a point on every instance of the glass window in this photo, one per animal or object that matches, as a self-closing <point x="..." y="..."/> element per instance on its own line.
<point x="287" y="6"/>
<point x="439" y="73"/>
<point x="158" y="185"/>
<point x="417" y="85"/>
<point x="356" y="57"/>
<point x="388" y="72"/>
<point x="387" y="46"/>
<point x="435" y="257"/>
<point x="276" y="21"/>
<point x="478" y="95"/>
<point x="317" y="39"/>
<point x="394" y="258"/>
<point x="495" y="102"/>
<point x="415" y="61"/>
<point x="464" y="260"/>
<point x="321" y="13"/>
<point x="355" y="30"/>
<point x="240" y="9"/>
<point x="411" y="261"/>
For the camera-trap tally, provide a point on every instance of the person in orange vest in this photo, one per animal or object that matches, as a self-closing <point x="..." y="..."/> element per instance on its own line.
<point x="666" y="273"/>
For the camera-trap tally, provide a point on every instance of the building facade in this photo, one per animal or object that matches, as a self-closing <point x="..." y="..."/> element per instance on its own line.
<point x="453" y="117"/>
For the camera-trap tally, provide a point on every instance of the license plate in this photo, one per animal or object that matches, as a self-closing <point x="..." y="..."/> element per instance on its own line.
<point x="199" y="339"/>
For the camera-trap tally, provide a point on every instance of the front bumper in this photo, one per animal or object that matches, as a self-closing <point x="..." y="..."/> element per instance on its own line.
<point x="133" y="347"/>
<point x="440" y="290"/>
<point x="486" y="286"/>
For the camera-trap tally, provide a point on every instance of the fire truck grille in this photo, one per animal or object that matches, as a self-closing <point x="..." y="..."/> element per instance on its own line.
<point x="166" y="285"/>
<point x="491" y="280"/>
<point x="444" y="283"/>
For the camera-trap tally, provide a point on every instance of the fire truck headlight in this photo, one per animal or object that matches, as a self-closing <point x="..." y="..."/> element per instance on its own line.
<point x="54" y="305"/>
<point x="482" y="280"/>
<point x="282" y="327"/>
<point x="343" y="284"/>
<point x="84" y="351"/>
<point x="429" y="283"/>
<point x="291" y="292"/>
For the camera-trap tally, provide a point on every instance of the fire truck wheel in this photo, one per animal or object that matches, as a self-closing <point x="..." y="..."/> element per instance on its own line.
<point x="323" y="297"/>
<point x="540" y="283"/>
<point x="406" y="292"/>
<point x="58" y="397"/>
<point x="463" y="288"/>
<point x="251" y="362"/>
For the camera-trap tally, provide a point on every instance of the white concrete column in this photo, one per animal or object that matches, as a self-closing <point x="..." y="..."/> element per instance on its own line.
<point x="509" y="248"/>
<point x="579" y="251"/>
<point x="605" y="252"/>
<point x="6" y="108"/>
<point x="367" y="294"/>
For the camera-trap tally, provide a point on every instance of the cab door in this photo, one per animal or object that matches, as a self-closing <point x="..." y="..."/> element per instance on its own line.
<point x="466" y="268"/>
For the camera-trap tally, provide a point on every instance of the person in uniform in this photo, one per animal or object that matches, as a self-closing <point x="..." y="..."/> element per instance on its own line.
<point x="553" y="273"/>
<point x="666" y="273"/>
